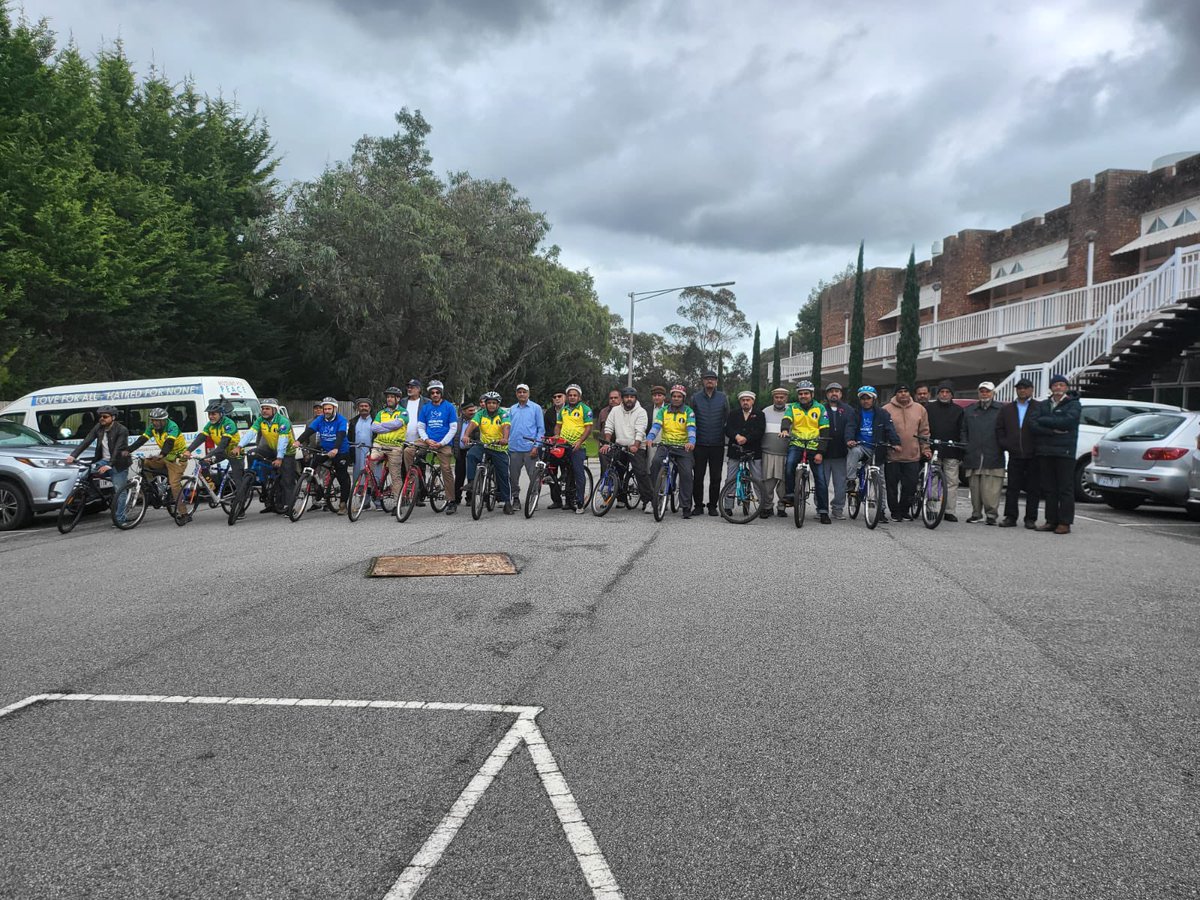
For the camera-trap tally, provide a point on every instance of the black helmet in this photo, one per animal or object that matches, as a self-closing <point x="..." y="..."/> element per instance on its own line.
<point x="629" y="391"/>
<point x="394" y="391"/>
<point x="107" y="410"/>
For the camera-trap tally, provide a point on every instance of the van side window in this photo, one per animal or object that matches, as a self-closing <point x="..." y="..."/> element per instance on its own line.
<point x="137" y="418"/>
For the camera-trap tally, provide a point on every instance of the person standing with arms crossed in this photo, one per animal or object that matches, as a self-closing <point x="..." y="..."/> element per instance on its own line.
<point x="712" y="413"/>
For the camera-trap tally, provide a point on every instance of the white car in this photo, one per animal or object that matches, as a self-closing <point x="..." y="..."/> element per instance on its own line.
<point x="1099" y="417"/>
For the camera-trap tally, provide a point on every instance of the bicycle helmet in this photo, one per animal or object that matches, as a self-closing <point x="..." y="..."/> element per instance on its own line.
<point x="158" y="413"/>
<point x="107" y="410"/>
<point x="216" y="407"/>
<point x="574" y="387"/>
<point x="629" y="392"/>
<point x="328" y="401"/>
<point x="394" y="391"/>
<point x="867" y="391"/>
<point x="269" y="401"/>
<point x="805" y="386"/>
<point x="490" y="395"/>
<point x="679" y="389"/>
<point x="436" y="385"/>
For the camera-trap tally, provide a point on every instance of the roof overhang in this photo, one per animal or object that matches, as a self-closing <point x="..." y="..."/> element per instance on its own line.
<point x="1030" y="272"/>
<point x="1160" y="237"/>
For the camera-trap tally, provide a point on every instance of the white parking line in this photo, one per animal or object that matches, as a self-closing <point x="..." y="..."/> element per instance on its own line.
<point x="524" y="730"/>
<point x="1159" y="524"/>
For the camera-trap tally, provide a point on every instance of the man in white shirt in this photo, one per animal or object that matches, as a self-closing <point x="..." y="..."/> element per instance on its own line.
<point x="774" y="448"/>
<point x="626" y="426"/>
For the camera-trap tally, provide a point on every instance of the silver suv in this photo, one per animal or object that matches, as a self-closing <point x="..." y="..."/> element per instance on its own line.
<point x="35" y="476"/>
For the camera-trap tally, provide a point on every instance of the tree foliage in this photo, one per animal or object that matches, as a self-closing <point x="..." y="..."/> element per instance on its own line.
<point x="908" y="345"/>
<point x="756" y="363"/>
<point x="776" y="365"/>
<point x="858" y="326"/>
<point x="809" y="326"/>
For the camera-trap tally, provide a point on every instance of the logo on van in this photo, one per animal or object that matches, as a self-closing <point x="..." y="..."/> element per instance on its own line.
<point x="172" y="390"/>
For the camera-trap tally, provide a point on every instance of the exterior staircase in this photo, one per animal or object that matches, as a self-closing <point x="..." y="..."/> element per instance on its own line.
<point x="1157" y="318"/>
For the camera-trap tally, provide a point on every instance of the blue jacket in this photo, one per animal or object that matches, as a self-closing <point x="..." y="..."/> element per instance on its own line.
<point x="711" y="415"/>
<point x="328" y="430"/>
<point x="883" y="431"/>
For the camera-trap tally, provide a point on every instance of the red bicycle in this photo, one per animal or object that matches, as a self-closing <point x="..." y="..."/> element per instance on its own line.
<point x="369" y="488"/>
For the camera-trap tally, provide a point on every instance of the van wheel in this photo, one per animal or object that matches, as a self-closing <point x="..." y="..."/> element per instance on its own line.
<point x="14" y="508"/>
<point x="1085" y="491"/>
<point x="1120" y="501"/>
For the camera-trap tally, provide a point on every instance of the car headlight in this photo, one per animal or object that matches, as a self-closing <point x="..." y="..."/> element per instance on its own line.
<point x="46" y="463"/>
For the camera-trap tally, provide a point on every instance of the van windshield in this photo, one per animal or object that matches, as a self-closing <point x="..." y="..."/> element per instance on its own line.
<point x="243" y="411"/>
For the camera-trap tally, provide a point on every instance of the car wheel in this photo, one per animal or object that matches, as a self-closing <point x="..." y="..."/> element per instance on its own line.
<point x="1193" y="511"/>
<point x="1120" y="501"/>
<point x="14" y="508"/>
<point x="1085" y="491"/>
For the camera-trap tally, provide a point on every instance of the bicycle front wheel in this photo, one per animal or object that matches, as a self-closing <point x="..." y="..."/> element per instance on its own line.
<point x="800" y="497"/>
<point x="874" y="500"/>
<point x="359" y="495"/>
<point x="739" y="502"/>
<point x="489" y="489"/>
<point x="533" y="495"/>
<point x="854" y="500"/>
<point x="303" y="499"/>
<point x="242" y="501"/>
<point x="71" y="511"/>
<point x="478" y="491"/>
<point x="661" y="494"/>
<point x="407" y="500"/>
<point x="437" y="491"/>
<point x="132" y="500"/>
<point x="605" y="494"/>
<point x="934" y="507"/>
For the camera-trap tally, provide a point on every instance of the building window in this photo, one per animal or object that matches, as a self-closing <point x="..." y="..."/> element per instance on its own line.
<point x="1184" y="217"/>
<point x="1157" y="225"/>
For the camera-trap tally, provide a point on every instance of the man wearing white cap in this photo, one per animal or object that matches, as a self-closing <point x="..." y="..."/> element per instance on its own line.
<point x="983" y="460"/>
<point x="527" y="422"/>
<point x="745" y="429"/>
<point x="774" y="448"/>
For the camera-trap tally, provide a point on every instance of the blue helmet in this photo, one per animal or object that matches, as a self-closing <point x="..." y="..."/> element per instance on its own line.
<point x="868" y="390"/>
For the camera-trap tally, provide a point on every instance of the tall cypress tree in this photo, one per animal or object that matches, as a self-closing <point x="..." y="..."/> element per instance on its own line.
<point x="756" y="364"/>
<point x="858" y="326"/>
<point x="776" y="366"/>
<point x="909" y="343"/>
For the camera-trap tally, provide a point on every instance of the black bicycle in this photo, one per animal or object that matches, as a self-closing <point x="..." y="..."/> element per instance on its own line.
<point x="617" y="484"/>
<point x="92" y="491"/>
<point x="483" y="488"/>
<point x="263" y="478"/>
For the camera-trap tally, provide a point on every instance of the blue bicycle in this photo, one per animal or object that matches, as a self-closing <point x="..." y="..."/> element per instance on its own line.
<point x="740" y="500"/>
<point x="263" y="477"/>
<point x="665" y="487"/>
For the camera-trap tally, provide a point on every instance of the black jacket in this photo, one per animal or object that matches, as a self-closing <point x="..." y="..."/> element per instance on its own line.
<point x="1014" y="437"/>
<point x="839" y="418"/>
<point x="946" y="424"/>
<point x="1056" y="430"/>
<point x="118" y="443"/>
<point x="752" y="428"/>
<point x="983" y="449"/>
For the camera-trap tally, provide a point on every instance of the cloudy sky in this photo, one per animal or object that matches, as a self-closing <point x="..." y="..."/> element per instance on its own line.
<point x="680" y="142"/>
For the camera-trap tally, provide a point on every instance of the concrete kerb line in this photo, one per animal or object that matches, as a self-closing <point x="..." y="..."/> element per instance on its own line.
<point x="524" y="730"/>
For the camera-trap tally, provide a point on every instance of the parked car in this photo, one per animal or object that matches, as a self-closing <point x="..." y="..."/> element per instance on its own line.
<point x="1193" y="501"/>
<point x="1146" y="459"/>
<point x="1099" y="417"/>
<point x="35" y="476"/>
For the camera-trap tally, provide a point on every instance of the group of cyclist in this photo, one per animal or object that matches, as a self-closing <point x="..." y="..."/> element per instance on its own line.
<point x="416" y="427"/>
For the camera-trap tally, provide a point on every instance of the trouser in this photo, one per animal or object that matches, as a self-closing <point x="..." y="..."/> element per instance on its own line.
<point x="950" y="469"/>
<point x="1022" y="476"/>
<point x="818" y="470"/>
<point x="901" y="486"/>
<point x="499" y="466"/>
<point x="755" y="476"/>
<point x="707" y="459"/>
<point x="119" y="479"/>
<point x="174" y="471"/>
<point x="683" y="464"/>
<point x="395" y="464"/>
<point x="287" y="473"/>
<point x="578" y="469"/>
<point x="835" y="474"/>
<point x="519" y="460"/>
<point x="1057" y="481"/>
<point x="985" y="492"/>
<point x="774" y="483"/>
<point x="641" y="473"/>
<point x="445" y="457"/>
<point x="460" y="474"/>
<point x="857" y="455"/>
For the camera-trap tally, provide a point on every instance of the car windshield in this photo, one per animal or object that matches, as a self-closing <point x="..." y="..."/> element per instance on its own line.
<point x="14" y="435"/>
<point x="1145" y="427"/>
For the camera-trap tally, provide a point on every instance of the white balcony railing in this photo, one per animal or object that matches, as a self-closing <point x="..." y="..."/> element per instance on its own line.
<point x="1076" y="307"/>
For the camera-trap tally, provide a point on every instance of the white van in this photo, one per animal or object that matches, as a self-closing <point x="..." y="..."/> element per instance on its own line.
<point x="68" y="412"/>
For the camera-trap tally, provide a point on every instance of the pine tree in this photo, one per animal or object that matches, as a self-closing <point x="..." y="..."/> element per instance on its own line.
<point x="776" y="365"/>
<point x="909" y="343"/>
<point x="858" y="326"/>
<point x="756" y="364"/>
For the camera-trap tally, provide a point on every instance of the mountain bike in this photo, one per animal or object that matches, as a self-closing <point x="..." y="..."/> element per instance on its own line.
<point x="740" y="502"/>
<point x="369" y="488"/>
<point x="141" y="492"/>
<point x="617" y="483"/>
<point x="316" y="482"/>
<point x="89" y="491"/>
<point x="666" y="486"/>
<point x="549" y="470"/>
<point x="929" y="500"/>
<point x="803" y="484"/>
<point x="212" y="482"/>
<point x="423" y="479"/>
<point x="866" y="489"/>
<point x="260" y="477"/>
<point x="483" y="487"/>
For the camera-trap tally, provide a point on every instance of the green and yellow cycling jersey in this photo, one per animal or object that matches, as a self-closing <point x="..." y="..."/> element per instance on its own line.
<point x="270" y="431"/>
<point x="806" y="424"/>
<point x="218" y="431"/>
<point x="491" y="427"/>
<point x="385" y="417"/>
<point x="170" y="441"/>
<point x="675" y="424"/>
<point x="574" y="420"/>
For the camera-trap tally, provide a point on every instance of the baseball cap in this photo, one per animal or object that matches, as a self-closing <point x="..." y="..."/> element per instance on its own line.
<point x="522" y="386"/>
<point x="833" y="386"/>
<point x="709" y="373"/>
<point x="986" y="386"/>
<point x="414" y="382"/>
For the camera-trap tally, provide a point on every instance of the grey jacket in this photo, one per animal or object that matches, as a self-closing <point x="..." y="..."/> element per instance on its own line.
<point x="983" y="447"/>
<point x="711" y="415"/>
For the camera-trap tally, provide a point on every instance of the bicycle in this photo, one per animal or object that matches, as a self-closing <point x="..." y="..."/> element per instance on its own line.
<point x="617" y="483"/>
<point x="549" y="471"/>
<point x="423" y="479"/>
<point x="141" y="492"/>
<point x="313" y="487"/>
<point x="803" y="487"/>
<point x="866" y="487"/>
<point x="666" y="486"/>
<point x="740" y="502"/>
<point x="368" y="487"/>
<point x="87" y="492"/>
<point x="214" y="482"/>
<point x="263" y="477"/>
<point x="929" y="500"/>
<point x="483" y="488"/>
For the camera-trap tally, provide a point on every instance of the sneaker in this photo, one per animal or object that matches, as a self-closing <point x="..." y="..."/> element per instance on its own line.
<point x="580" y="510"/>
<point x="764" y="513"/>
<point x="838" y="514"/>
<point x="1031" y="524"/>
<point x="884" y="520"/>
<point x="648" y="509"/>
<point x="341" y="510"/>
<point x="379" y="505"/>
<point x="949" y="517"/>
<point x="781" y="512"/>
<point x="825" y="520"/>
<point x="990" y="522"/>
<point x="508" y="509"/>
<point x="451" y="508"/>
<point x="851" y="485"/>
<point x="265" y="509"/>
<point x="1008" y="523"/>
<point x="712" y="511"/>
<point x="973" y="519"/>
<point x="687" y="513"/>
<point x="555" y="505"/>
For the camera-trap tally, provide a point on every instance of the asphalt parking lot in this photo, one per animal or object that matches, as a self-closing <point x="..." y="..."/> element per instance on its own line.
<point x="727" y="711"/>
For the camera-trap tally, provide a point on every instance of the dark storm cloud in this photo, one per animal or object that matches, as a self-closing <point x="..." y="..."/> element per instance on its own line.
<point x="471" y="16"/>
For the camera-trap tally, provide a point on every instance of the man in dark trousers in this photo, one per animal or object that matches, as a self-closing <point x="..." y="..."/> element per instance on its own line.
<point x="834" y="463"/>
<point x="745" y="429"/>
<point x="1056" y="430"/>
<point x="1014" y="431"/>
<point x="712" y="413"/>
<point x="946" y="424"/>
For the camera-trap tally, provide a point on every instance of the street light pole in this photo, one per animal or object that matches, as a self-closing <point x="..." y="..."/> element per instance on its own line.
<point x="639" y="296"/>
